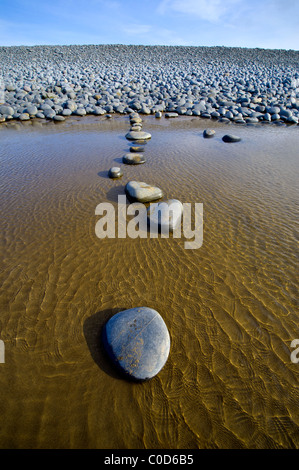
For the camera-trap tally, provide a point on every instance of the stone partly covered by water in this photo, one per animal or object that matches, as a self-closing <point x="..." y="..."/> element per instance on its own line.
<point x="208" y="133"/>
<point x="138" y="135"/>
<point x="166" y="215"/>
<point x="115" y="172"/>
<point x="137" y="341"/>
<point x="233" y="84"/>
<point x="231" y="138"/>
<point x="136" y="148"/>
<point x="143" y="192"/>
<point x="134" y="159"/>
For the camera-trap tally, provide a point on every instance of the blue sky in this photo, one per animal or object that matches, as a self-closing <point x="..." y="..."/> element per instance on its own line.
<point x="270" y="24"/>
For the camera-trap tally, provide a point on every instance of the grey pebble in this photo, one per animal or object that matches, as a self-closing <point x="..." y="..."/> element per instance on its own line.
<point x="208" y="133"/>
<point x="231" y="138"/>
<point x="231" y="84"/>
<point x="115" y="172"/>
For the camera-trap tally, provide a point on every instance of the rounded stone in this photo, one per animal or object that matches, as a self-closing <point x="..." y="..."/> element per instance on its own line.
<point x="58" y="118"/>
<point x="138" y="135"/>
<point x="115" y="172"/>
<point x="135" y="128"/>
<point x="231" y="138"/>
<point x="136" y="120"/>
<point x="134" y="159"/>
<point x="143" y="192"/>
<point x="140" y="142"/>
<point x="24" y="117"/>
<point x="66" y="112"/>
<point x="171" y="115"/>
<point x="207" y="133"/>
<point x="136" y="149"/>
<point x="166" y="215"/>
<point x="80" y="112"/>
<point x="6" y="110"/>
<point x="138" y="342"/>
<point x="31" y="110"/>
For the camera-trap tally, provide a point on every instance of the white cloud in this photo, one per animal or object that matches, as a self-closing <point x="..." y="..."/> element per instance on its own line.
<point x="209" y="10"/>
<point x="137" y="29"/>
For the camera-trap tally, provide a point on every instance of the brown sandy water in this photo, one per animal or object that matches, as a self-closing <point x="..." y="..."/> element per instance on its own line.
<point x="230" y="306"/>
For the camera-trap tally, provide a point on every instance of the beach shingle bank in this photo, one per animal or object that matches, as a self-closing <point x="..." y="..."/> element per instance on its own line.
<point x="229" y="84"/>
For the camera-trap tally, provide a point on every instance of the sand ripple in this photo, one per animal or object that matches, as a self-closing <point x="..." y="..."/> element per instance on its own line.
<point x="230" y="306"/>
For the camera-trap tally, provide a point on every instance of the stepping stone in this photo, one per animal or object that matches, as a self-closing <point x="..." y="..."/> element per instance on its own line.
<point x="138" y="135"/>
<point x="143" y="192"/>
<point x="134" y="159"/>
<point x="166" y="215"/>
<point x="136" y="120"/>
<point x="231" y="138"/>
<point x="141" y="142"/>
<point x="207" y="133"/>
<point x="137" y="341"/>
<point x="136" y="149"/>
<point x="115" y="172"/>
<point x="171" y="115"/>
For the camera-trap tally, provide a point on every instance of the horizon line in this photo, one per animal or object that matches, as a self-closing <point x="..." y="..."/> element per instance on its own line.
<point x="151" y="45"/>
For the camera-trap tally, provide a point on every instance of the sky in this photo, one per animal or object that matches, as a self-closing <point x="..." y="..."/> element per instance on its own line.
<point x="272" y="24"/>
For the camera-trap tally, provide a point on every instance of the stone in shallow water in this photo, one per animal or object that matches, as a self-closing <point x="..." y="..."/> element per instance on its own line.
<point x="138" y="135"/>
<point x="171" y="115"/>
<point x="135" y="128"/>
<point x="136" y="148"/>
<point x="115" y="172"/>
<point x="136" y="120"/>
<point x="166" y="215"/>
<point x="143" y="192"/>
<point x="134" y="159"/>
<point x="231" y="138"/>
<point x="207" y="133"/>
<point x="137" y="341"/>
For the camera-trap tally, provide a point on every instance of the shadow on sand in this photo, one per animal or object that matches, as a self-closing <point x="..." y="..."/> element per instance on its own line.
<point x="92" y="329"/>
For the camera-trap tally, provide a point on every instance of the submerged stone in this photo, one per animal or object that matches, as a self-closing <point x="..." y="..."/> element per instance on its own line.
<point x="134" y="159"/>
<point x="137" y="341"/>
<point x="166" y="215"/>
<point x="115" y="172"/>
<point x="143" y="192"/>
<point x="138" y="135"/>
<point x="136" y="148"/>
<point x="231" y="138"/>
<point x="207" y="133"/>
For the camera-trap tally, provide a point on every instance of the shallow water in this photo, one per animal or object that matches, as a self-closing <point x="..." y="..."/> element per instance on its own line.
<point x="230" y="306"/>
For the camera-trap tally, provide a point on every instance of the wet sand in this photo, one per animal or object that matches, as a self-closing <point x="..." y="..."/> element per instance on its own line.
<point x="230" y="306"/>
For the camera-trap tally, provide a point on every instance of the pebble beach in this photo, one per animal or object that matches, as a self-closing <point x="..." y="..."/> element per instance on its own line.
<point x="227" y="84"/>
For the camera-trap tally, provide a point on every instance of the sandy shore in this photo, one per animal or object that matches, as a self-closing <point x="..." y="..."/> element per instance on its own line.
<point x="230" y="306"/>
